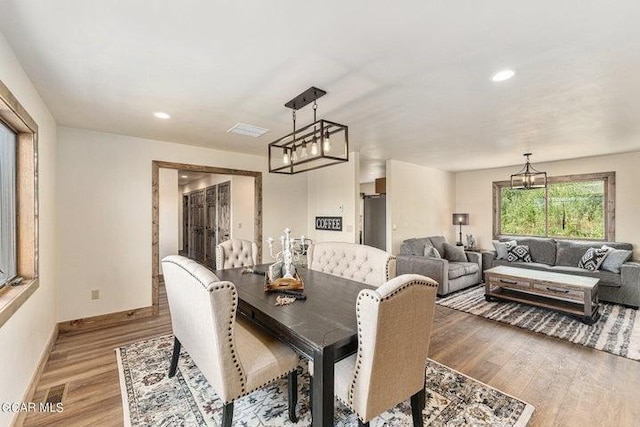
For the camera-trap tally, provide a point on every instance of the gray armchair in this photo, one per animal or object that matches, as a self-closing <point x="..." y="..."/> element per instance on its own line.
<point x="451" y="275"/>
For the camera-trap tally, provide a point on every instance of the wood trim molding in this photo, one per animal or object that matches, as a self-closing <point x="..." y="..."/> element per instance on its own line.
<point x="104" y="320"/>
<point x="12" y="297"/>
<point x="14" y="114"/>
<point x="35" y="379"/>
<point x="155" y="213"/>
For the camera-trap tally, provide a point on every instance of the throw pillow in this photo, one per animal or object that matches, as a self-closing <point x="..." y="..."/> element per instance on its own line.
<point x="614" y="259"/>
<point x="502" y="248"/>
<point x="519" y="253"/>
<point x="592" y="258"/>
<point x="431" y="252"/>
<point x="454" y="253"/>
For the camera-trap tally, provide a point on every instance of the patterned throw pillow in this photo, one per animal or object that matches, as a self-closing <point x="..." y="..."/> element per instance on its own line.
<point x="519" y="253"/>
<point x="593" y="258"/>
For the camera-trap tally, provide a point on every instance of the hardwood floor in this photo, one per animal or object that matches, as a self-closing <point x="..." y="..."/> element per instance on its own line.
<point x="568" y="384"/>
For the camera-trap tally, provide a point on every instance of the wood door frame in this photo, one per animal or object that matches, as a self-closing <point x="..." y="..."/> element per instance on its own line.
<point x="155" y="213"/>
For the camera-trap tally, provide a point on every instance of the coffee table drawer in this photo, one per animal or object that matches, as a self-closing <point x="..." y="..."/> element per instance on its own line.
<point x="558" y="291"/>
<point x="510" y="283"/>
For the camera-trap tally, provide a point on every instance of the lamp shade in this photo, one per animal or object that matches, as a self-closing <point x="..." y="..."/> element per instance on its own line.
<point x="460" y="219"/>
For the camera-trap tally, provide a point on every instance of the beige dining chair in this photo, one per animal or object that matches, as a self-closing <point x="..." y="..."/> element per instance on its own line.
<point x="234" y="356"/>
<point x="236" y="253"/>
<point x="360" y="263"/>
<point x="394" y="329"/>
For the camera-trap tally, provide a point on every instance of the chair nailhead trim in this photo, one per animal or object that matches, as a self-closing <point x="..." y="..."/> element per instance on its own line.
<point x="372" y="294"/>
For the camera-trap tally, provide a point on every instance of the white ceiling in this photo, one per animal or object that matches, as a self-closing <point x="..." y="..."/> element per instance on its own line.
<point x="411" y="79"/>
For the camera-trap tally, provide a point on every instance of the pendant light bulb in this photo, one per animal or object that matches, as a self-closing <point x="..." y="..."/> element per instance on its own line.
<point x="285" y="157"/>
<point x="294" y="155"/>
<point x="303" y="151"/>
<point x="314" y="146"/>
<point x="326" y="144"/>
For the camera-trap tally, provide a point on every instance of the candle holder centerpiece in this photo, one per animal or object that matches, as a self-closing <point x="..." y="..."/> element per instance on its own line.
<point x="282" y="274"/>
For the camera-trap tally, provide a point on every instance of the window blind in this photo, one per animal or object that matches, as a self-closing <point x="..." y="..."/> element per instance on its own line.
<point x="8" y="142"/>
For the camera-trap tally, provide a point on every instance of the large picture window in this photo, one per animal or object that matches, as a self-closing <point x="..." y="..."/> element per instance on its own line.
<point x="575" y="206"/>
<point x="8" y="142"/>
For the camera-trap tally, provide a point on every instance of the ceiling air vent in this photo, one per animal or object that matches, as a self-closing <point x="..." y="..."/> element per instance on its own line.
<point x="248" y="130"/>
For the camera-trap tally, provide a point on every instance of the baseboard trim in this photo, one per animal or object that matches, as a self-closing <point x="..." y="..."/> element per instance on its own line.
<point x="104" y="320"/>
<point x="35" y="379"/>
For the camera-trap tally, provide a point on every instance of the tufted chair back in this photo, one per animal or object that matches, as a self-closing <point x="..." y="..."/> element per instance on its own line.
<point x="393" y="342"/>
<point x="361" y="263"/>
<point x="236" y="253"/>
<point x="203" y="313"/>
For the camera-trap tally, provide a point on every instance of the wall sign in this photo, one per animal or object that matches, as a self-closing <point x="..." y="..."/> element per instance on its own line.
<point x="329" y="223"/>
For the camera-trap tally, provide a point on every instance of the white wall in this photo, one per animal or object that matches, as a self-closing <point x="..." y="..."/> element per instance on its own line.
<point x="24" y="336"/>
<point x="104" y="206"/>
<point x="474" y="193"/>
<point x="334" y="191"/>
<point x="368" y="188"/>
<point x="170" y="200"/>
<point x="242" y="207"/>
<point x="419" y="203"/>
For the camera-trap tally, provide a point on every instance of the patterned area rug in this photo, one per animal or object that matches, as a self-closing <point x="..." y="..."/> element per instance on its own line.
<point x="150" y="398"/>
<point x="617" y="331"/>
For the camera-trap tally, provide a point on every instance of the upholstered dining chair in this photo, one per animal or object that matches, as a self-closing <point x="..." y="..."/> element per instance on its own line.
<point x="236" y="253"/>
<point x="234" y="356"/>
<point x="394" y="329"/>
<point x="361" y="263"/>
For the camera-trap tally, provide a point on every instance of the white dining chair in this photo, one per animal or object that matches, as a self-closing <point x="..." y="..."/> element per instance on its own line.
<point x="360" y="263"/>
<point x="235" y="357"/>
<point x="394" y="328"/>
<point x="236" y="253"/>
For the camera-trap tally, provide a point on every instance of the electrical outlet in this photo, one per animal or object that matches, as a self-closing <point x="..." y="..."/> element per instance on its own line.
<point x="239" y="225"/>
<point x="95" y="294"/>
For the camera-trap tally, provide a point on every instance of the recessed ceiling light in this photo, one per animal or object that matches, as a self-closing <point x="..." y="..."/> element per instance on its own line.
<point x="184" y="176"/>
<point x="161" y="115"/>
<point x="503" y="75"/>
<point x="248" y="130"/>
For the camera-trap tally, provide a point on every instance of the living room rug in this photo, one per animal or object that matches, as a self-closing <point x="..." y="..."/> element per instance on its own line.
<point x="150" y="398"/>
<point x="617" y="331"/>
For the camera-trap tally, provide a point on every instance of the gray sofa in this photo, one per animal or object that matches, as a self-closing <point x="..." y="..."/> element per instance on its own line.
<point x="450" y="275"/>
<point x="562" y="256"/>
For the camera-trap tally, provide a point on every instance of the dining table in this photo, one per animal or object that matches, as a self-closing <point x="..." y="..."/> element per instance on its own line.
<point x="322" y="328"/>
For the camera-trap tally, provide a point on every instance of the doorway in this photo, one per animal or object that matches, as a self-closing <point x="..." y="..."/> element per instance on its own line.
<point x="256" y="215"/>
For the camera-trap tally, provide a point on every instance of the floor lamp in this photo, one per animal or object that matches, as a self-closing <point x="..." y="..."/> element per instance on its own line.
<point x="460" y="219"/>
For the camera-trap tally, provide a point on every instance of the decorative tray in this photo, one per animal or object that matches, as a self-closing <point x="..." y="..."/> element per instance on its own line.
<point x="282" y="284"/>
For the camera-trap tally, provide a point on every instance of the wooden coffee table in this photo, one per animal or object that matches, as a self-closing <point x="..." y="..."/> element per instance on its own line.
<point x="566" y="293"/>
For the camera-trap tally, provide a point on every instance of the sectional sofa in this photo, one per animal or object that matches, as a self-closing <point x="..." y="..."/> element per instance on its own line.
<point x="562" y="256"/>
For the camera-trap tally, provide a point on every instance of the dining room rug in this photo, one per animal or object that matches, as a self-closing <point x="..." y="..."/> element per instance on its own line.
<point x="617" y="331"/>
<point x="150" y="398"/>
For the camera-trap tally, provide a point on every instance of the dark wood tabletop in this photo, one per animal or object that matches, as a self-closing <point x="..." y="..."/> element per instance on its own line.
<point x="322" y="327"/>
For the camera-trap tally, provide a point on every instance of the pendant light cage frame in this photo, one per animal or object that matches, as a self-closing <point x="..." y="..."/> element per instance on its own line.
<point x="528" y="177"/>
<point x="317" y="145"/>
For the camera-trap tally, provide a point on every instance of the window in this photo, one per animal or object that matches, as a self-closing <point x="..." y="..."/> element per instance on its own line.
<point x="18" y="204"/>
<point x="8" y="142"/>
<point x="575" y="206"/>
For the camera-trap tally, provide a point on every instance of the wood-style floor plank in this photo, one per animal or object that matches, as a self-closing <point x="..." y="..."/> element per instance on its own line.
<point x="569" y="385"/>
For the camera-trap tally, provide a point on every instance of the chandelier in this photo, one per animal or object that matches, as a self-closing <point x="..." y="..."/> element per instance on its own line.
<point x="528" y="177"/>
<point x="316" y="145"/>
